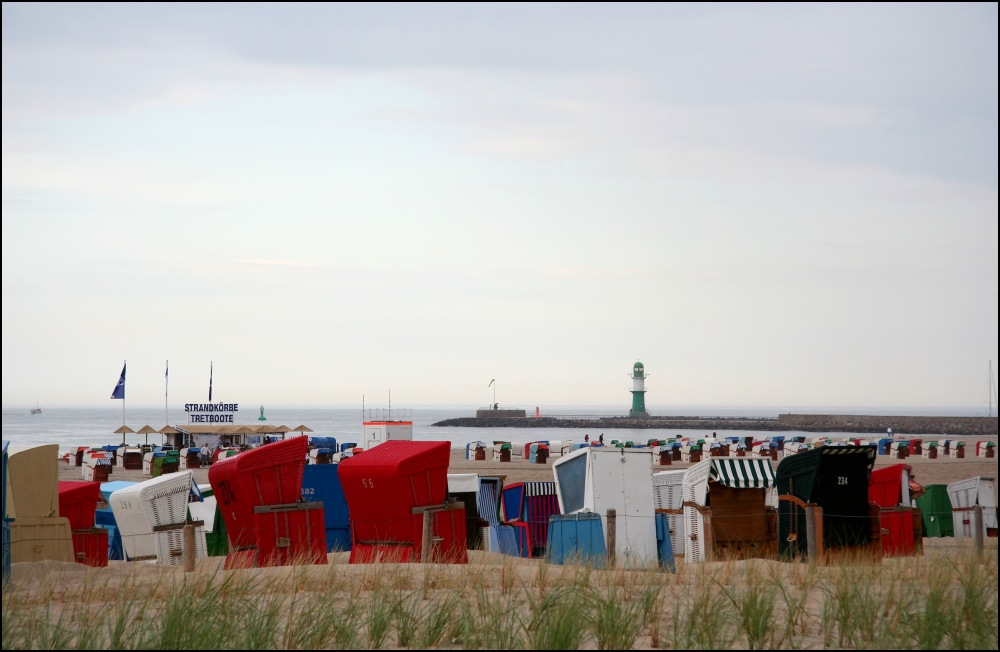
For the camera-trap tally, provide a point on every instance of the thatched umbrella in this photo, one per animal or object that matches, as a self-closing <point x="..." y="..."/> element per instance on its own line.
<point x="245" y="430"/>
<point x="222" y="431"/>
<point x="145" y="430"/>
<point x="124" y="430"/>
<point x="267" y="430"/>
<point x="282" y="429"/>
<point x="167" y="430"/>
<point x="301" y="429"/>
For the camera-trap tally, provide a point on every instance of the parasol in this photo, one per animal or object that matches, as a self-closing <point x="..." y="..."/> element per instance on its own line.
<point x="245" y="430"/>
<point x="124" y="430"/>
<point x="145" y="430"/>
<point x="168" y="430"/>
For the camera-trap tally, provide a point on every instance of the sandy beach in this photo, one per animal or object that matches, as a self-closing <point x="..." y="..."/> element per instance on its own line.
<point x="501" y="602"/>
<point x="925" y="471"/>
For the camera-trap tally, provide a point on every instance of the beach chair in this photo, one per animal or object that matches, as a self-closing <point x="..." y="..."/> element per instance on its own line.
<point x="835" y="478"/>
<point x="92" y="461"/>
<point x="78" y="503"/>
<point x="965" y="495"/>
<point x="497" y="537"/>
<point x="935" y="510"/>
<point x="392" y="490"/>
<point x="322" y="484"/>
<point x="36" y="530"/>
<point x="151" y="516"/>
<point x="259" y="492"/>
<point x="668" y="499"/>
<point x="729" y="509"/>
<point x="138" y="542"/>
<point x="528" y="506"/>
<point x="600" y="479"/>
<point x="889" y="488"/>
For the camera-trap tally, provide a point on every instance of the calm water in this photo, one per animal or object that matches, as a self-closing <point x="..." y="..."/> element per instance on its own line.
<point x="92" y="426"/>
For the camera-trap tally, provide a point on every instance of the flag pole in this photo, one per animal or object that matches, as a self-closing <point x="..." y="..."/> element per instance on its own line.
<point x="166" y="393"/>
<point x="119" y="393"/>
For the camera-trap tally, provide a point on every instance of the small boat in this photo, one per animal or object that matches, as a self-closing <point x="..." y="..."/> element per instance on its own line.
<point x="36" y="409"/>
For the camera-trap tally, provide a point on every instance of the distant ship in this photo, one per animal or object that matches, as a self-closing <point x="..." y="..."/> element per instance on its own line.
<point x="36" y="409"/>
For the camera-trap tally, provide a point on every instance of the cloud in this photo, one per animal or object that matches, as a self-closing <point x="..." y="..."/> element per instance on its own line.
<point x="465" y="187"/>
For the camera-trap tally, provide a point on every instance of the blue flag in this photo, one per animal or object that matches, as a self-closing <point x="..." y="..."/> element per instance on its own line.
<point x="120" y="387"/>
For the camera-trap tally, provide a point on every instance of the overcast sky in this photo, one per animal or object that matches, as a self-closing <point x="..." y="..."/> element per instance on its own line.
<point x="786" y="205"/>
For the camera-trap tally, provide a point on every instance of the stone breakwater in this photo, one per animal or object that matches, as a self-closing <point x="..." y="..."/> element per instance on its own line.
<point x="965" y="426"/>
<point x="901" y="425"/>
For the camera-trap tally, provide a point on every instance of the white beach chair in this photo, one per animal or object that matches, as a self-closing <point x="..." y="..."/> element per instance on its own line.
<point x="146" y="506"/>
<point x="746" y="473"/>
<point x="91" y="461"/>
<point x="965" y="495"/>
<point x="147" y="463"/>
<point x="668" y="493"/>
<point x="694" y="489"/>
<point x="597" y="479"/>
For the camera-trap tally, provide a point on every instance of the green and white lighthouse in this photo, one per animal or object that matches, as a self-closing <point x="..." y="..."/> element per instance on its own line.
<point x="638" y="391"/>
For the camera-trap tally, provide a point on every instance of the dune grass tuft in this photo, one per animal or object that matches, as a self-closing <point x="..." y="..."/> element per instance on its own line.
<point x="945" y="599"/>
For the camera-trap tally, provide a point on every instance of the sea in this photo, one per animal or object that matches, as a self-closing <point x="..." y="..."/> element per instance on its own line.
<point x="71" y="427"/>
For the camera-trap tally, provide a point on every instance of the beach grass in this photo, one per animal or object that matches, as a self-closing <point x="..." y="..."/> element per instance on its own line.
<point x="944" y="599"/>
